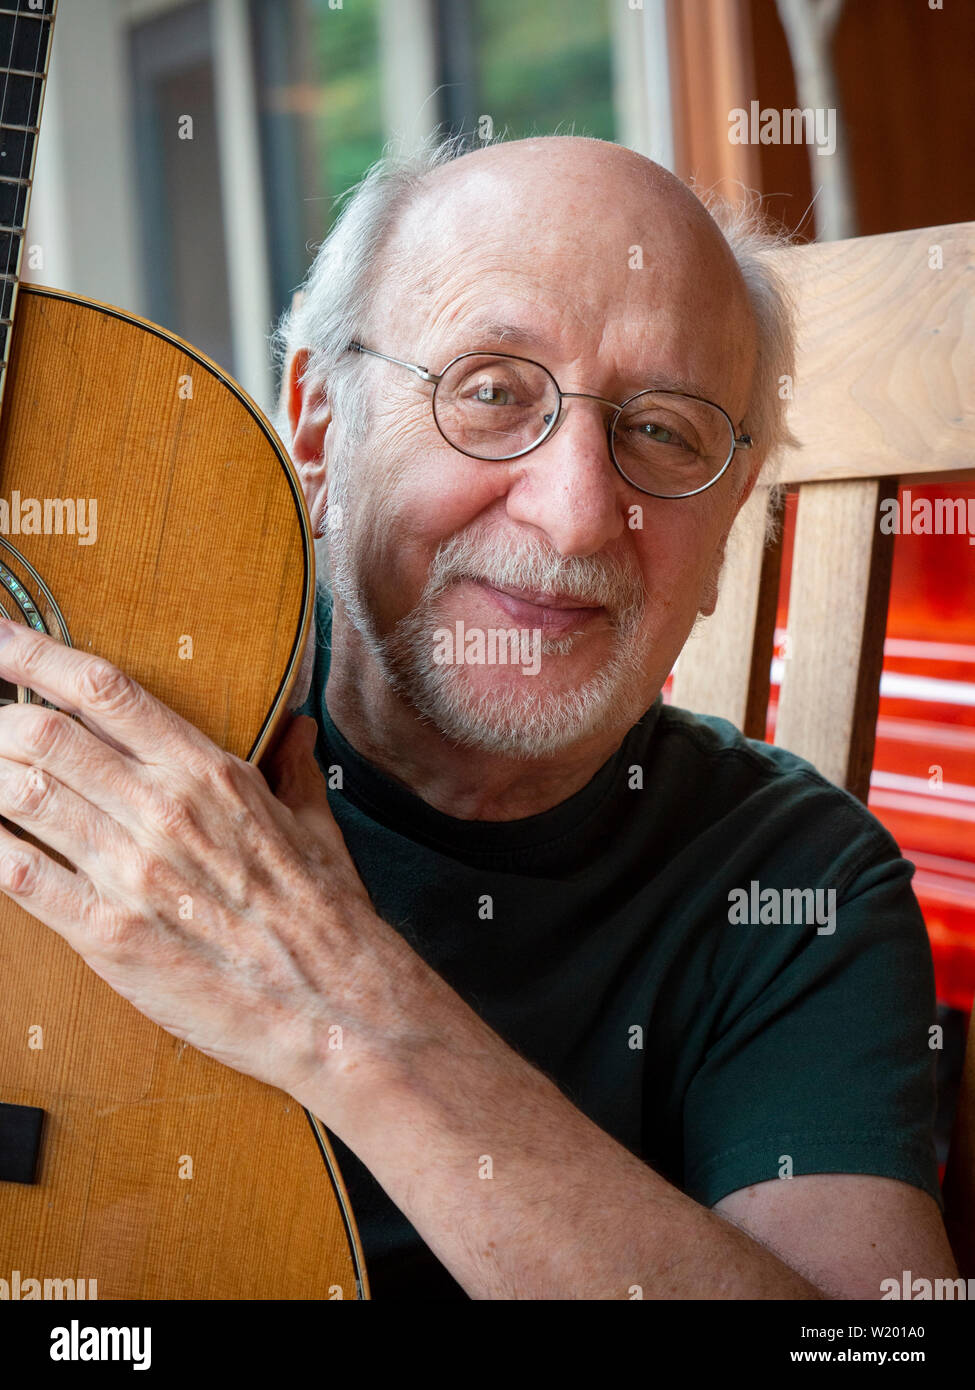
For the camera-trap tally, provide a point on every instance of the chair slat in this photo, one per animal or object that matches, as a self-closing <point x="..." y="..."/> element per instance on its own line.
<point x="837" y="619"/>
<point x="886" y="369"/>
<point x="724" y="667"/>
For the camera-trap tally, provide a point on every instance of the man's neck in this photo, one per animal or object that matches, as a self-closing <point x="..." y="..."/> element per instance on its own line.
<point x="458" y="781"/>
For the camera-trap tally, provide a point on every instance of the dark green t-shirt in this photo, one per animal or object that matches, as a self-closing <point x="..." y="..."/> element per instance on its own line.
<point x="626" y="942"/>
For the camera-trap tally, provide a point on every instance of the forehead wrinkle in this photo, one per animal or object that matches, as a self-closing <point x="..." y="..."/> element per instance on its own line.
<point x="459" y="289"/>
<point x="521" y="340"/>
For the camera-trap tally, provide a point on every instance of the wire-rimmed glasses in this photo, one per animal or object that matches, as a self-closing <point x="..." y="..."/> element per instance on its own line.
<point x="496" y="406"/>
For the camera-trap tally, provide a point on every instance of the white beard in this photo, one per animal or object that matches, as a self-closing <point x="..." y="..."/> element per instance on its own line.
<point x="519" y="720"/>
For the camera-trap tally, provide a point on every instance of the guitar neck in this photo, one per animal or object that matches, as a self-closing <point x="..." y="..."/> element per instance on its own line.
<point x="26" y="29"/>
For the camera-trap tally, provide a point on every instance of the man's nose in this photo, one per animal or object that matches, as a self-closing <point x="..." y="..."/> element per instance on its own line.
<point x="569" y="487"/>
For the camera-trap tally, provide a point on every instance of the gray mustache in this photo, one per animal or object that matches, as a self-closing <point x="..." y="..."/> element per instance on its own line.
<point x="590" y="580"/>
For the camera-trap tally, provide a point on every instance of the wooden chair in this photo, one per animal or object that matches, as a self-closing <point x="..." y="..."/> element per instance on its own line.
<point x="884" y="395"/>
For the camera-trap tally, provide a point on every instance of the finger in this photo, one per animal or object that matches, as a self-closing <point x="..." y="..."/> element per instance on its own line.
<point x="145" y="806"/>
<point x="110" y="703"/>
<point x="85" y="835"/>
<point x="49" y="739"/>
<point x="57" y="896"/>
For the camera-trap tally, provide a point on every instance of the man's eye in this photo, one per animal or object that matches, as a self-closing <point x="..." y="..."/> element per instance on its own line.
<point x="663" y="434"/>
<point x="494" y="395"/>
<point x="655" y="432"/>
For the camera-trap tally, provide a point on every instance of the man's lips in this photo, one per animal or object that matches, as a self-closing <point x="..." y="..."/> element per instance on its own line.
<point x="553" y="613"/>
<point x="540" y="597"/>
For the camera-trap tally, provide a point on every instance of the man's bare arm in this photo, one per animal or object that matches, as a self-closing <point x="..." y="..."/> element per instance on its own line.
<point x="520" y="1195"/>
<point x="853" y="1231"/>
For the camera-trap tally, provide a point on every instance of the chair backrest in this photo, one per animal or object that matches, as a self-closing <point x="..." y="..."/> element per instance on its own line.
<point x="884" y="395"/>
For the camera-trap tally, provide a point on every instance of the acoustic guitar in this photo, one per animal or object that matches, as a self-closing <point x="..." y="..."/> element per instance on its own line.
<point x="148" y="513"/>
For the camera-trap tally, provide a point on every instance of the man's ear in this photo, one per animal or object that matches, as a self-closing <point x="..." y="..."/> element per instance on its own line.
<point x="309" y="415"/>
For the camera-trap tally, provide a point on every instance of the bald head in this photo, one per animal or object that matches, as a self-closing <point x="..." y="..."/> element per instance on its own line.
<point x="572" y="188"/>
<point x="599" y="238"/>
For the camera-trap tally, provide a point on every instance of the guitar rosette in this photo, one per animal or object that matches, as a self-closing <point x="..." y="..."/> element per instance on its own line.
<point x="25" y="598"/>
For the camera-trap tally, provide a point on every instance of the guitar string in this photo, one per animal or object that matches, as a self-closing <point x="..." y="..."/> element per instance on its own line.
<point x="19" y="187"/>
<point x="3" y="112"/>
<point x="44" y="25"/>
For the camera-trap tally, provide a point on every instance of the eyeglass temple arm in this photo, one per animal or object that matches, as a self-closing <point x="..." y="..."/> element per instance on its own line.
<point x="742" y="442"/>
<point x="423" y="372"/>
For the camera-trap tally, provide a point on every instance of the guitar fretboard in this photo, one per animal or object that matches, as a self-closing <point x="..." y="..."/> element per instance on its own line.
<point x="26" y="27"/>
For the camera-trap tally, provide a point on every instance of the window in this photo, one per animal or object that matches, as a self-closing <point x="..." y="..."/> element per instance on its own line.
<point x="182" y="225"/>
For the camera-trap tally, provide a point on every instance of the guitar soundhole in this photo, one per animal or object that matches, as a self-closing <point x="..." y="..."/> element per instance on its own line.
<point x="25" y="598"/>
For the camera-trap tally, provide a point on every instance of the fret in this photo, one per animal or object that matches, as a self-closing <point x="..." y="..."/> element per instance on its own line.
<point x="8" y="288"/>
<point x="9" y="253"/>
<point x="26" y="29"/>
<point x="21" y="98"/>
<point x="13" y="204"/>
<point x="27" y="11"/>
<point x="16" y="151"/>
<point x="25" y="42"/>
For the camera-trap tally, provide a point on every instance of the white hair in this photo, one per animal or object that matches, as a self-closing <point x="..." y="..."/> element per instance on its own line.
<point x="757" y="246"/>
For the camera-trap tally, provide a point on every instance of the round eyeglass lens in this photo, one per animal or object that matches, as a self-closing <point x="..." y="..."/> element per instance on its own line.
<point x="671" y="445"/>
<point x="495" y="407"/>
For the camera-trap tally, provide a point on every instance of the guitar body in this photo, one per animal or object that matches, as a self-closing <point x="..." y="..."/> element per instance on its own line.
<point x="160" y="1174"/>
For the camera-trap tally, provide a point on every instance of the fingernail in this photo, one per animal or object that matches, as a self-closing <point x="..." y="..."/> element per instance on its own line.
<point x="7" y="628"/>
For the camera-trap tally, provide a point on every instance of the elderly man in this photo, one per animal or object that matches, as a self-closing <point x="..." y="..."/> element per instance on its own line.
<point x="528" y="390"/>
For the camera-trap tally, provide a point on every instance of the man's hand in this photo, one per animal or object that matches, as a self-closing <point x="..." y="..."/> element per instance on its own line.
<point x="238" y="922"/>
<point x="229" y="918"/>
